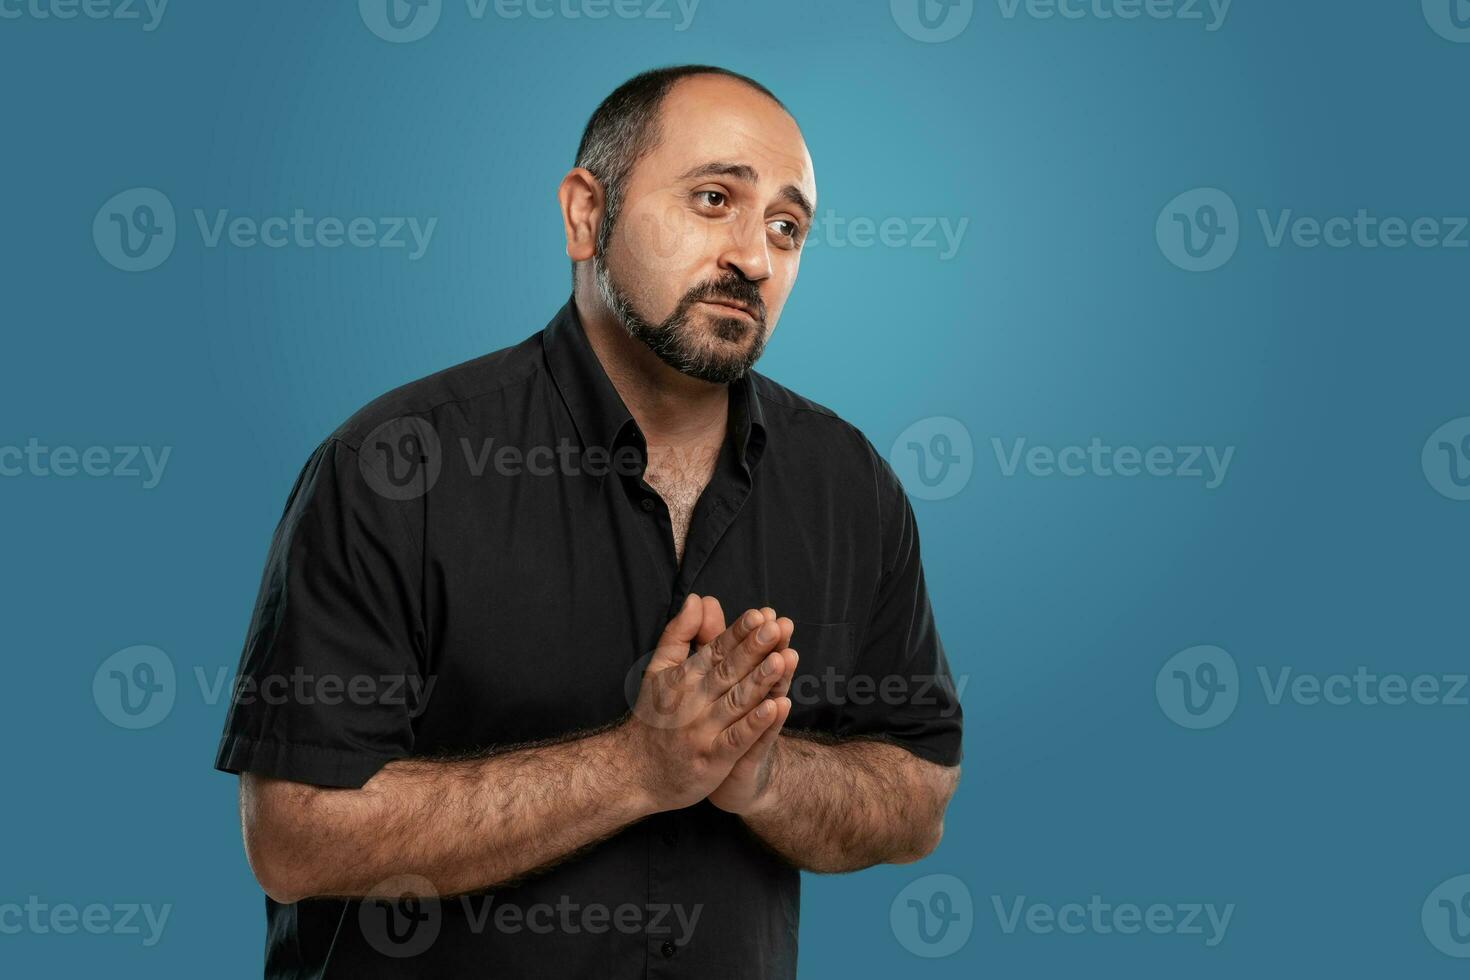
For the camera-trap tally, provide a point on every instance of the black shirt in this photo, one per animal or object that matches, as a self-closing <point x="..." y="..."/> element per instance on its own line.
<point x="473" y="561"/>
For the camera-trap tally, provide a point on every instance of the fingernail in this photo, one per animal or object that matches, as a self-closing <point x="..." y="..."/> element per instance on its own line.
<point x="767" y="633"/>
<point x="764" y="710"/>
<point x="767" y="667"/>
<point x="752" y="620"/>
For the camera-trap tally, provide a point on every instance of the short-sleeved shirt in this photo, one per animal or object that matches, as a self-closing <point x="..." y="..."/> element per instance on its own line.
<point x="474" y="562"/>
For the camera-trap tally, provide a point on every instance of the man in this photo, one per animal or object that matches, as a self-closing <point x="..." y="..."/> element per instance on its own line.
<point x="440" y="771"/>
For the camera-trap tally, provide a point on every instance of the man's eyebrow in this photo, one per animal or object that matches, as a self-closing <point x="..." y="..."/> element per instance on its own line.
<point x="747" y="174"/>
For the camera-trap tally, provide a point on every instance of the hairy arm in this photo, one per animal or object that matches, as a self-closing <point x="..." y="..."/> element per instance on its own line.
<point x="842" y="806"/>
<point x="463" y="825"/>
<point x="471" y="824"/>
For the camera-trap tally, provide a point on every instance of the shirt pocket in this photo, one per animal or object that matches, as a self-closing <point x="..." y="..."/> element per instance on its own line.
<point x="827" y="653"/>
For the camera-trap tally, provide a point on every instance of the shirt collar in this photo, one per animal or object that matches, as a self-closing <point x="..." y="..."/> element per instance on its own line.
<point x="598" y="411"/>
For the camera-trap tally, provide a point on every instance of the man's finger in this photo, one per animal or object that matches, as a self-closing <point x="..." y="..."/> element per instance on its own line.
<point x="782" y="687"/>
<point x="763" y="744"/>
<point x="727" y="672"/>
<point x="733" y="742"/>
<point x="723" y="646"/>
<point x="673" y="644"/>
<point x="714" y="622"/>
<point x="740" y="699"/>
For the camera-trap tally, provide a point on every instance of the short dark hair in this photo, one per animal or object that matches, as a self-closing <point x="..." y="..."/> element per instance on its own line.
<point x="624" y="127"/>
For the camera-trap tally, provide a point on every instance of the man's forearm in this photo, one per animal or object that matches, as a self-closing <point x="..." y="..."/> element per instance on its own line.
<point x="842" y="806"/>
<point x="463" y="825"/>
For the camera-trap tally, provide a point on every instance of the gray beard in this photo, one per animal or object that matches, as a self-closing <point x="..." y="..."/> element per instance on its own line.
<point x="670" y="340"/>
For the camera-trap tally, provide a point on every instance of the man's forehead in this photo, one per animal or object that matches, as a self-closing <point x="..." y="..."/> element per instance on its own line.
<point x="710" y="118"/>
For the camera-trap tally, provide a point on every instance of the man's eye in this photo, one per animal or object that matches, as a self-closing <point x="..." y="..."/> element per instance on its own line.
<point x="719" y="198"/>
<point x="784" y="228"/>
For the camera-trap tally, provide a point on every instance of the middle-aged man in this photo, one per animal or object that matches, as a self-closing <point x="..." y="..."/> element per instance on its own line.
<point x="440" y="771"/>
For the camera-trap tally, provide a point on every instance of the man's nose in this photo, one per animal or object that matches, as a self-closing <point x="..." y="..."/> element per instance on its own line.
<point x="746" y="251"/>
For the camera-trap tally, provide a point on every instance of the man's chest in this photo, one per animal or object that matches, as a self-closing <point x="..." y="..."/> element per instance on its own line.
<point x="540" y="604"/>
<point x="679" y="476"/>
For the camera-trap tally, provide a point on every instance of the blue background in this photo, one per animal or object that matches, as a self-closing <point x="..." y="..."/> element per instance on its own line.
<point x="1060" y="318"/>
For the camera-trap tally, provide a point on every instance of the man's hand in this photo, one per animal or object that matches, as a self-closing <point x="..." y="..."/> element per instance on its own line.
<point x="744" y="788"/>
<point x="698" y="715"/>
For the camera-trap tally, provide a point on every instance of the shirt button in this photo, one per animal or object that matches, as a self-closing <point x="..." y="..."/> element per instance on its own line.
<point x="647" y="504"/>
<point x="671" y="837"/>
<point x="668" y="948"/>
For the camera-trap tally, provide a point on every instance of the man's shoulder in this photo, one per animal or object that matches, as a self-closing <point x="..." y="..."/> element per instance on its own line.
<point x="816" y="432"/>
<point x="803" y="419"/>
<point x="445" y="395"/>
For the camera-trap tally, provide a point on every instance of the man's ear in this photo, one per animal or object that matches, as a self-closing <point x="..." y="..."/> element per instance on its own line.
<point x="582" y="202"/>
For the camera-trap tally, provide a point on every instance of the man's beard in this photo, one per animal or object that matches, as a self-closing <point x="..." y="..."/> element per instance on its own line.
<point x="674" y="341"/>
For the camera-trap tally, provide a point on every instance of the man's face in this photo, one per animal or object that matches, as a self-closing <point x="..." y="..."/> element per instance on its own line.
<point x="706" y="246"/>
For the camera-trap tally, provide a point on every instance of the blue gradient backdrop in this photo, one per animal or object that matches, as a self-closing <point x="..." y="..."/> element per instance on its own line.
<point x="1055" y="142"/>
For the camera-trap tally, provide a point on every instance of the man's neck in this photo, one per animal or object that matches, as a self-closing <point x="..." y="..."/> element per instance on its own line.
<point x="673" y="409"/>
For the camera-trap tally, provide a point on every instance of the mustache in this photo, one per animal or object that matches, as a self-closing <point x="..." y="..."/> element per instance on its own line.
<point x="730" y="289"/>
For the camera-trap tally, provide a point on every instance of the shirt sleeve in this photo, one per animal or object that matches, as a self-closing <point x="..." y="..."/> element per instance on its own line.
<point x="912" y="701"/>
<point x="329" y="679"/>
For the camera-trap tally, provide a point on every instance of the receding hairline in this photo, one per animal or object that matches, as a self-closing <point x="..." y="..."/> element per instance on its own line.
<point x="650" y="131"/>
